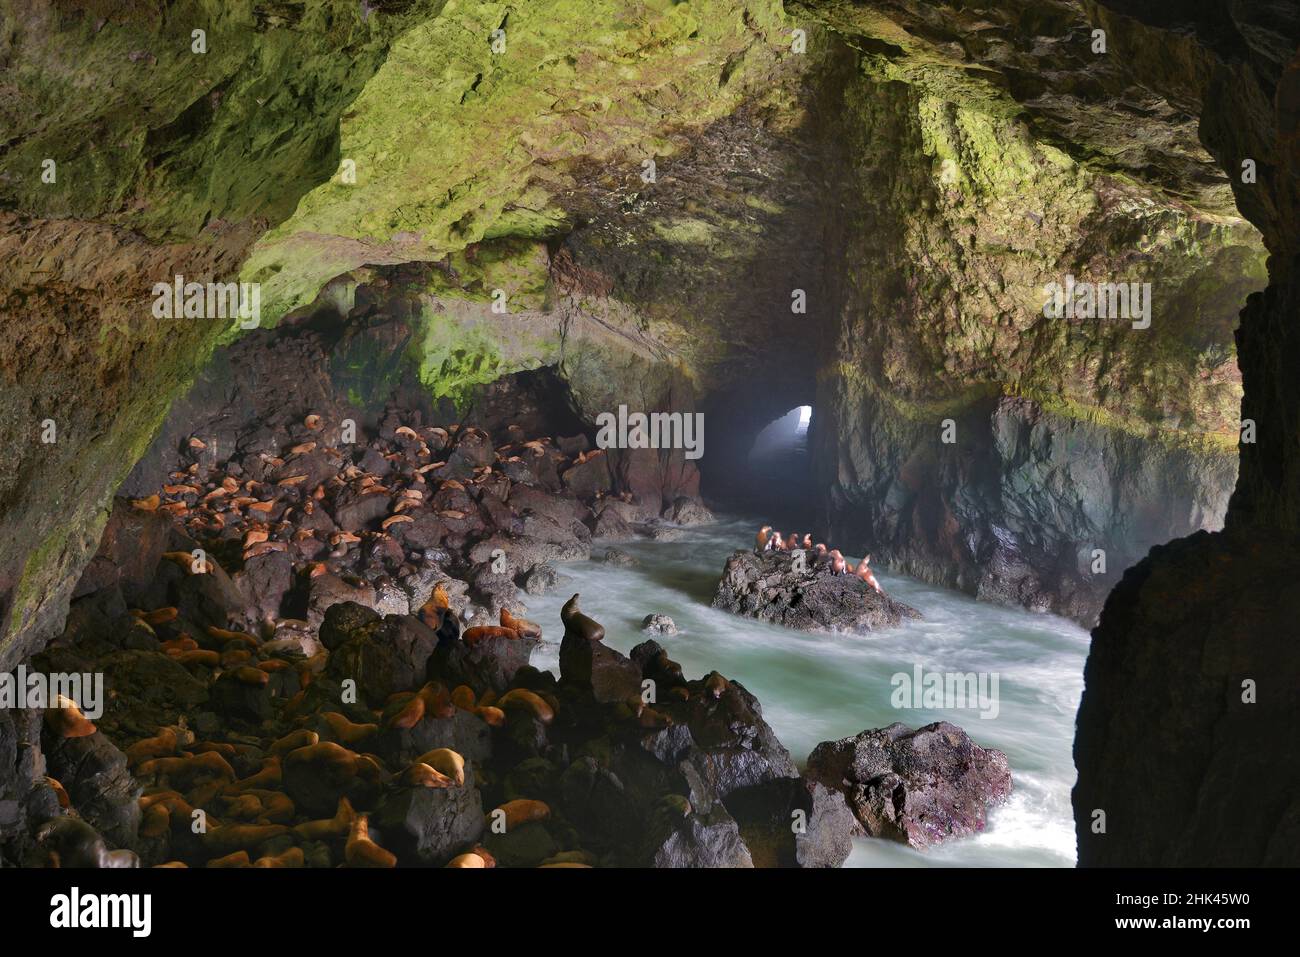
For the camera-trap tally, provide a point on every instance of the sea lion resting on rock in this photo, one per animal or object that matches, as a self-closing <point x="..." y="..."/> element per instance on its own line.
<point x="576" y="623"/>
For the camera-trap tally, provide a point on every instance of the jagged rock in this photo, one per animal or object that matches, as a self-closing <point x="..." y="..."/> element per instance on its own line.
<point x="587" y="662"/>
<point x="490" y="663"/>
<point x="768" y="587"/>
<point x="94" y="773"/>
<point x="430" y="825"/>
<point x="688" y="511"/>
<point x="711" y="839"/>
<point x="264" y="581"/>
<point x="659" y="625"/>
<point x="918" y="787"/>
<point x="384" y="656"/>
<point x="233" y="699"/>
<point x="794" y="822"/>
<point x="588" y="478"/>
<point x="734" y="747"/>
<point x="343" y="620"/>
<point x="616" y="556"/>
<point x="542" y="579"/>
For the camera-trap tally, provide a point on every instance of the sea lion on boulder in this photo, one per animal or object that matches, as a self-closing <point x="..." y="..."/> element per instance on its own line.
<point x="578" y="624"/>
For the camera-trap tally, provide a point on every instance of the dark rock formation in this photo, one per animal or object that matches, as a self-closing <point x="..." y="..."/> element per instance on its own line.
<point x="1190" y="699"/>
<point x="769" y="587"/>
<point x="918" y="787"/>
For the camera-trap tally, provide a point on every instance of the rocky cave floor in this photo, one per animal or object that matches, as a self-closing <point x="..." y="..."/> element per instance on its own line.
<point x="315" y="654"/>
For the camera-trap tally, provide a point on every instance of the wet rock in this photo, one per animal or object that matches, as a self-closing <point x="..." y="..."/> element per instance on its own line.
<point x="610" y="525"/>
<point x="355" y="511"/>
<point x="734" y="747"/>
<point x="464" y="732"/>
<point x="542" y="579"/>
<point x="688" y="511"/>
<point x="329" y="589"/>
<point x="918" y="787"/>
<point x="770" y="588"/>
<point x="658" y="625"/>
<point x="526" y="845"/>
<point x="616" y="556"/>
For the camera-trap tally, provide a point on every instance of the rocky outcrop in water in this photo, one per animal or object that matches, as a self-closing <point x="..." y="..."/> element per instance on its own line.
<point x="391" y="739"/>
<point x="769" y="587"/>
<point x="919" y="787"/>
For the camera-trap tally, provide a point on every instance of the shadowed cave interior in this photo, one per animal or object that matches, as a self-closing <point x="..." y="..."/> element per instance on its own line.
<point x="323" y="563"/>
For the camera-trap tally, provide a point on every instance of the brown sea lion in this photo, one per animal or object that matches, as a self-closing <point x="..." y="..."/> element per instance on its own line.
<point x="576" y="623"/>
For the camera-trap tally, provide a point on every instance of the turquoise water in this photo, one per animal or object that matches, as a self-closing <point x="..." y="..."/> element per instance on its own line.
<point x="817" y="687"/>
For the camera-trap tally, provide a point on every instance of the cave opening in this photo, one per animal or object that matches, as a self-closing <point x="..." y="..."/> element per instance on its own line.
<point x="777" y="477"/>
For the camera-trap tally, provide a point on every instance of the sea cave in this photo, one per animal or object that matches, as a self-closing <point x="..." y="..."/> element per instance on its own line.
<point x="960" y="530"/>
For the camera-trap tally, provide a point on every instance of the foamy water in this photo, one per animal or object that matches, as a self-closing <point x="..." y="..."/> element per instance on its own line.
<point x="817" y="687"/>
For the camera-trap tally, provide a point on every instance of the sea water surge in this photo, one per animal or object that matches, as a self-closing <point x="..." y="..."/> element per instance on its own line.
<point x="817" y="687"/>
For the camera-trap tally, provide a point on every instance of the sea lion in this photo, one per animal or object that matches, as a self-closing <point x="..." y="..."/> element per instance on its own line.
<point x="160" y="746"/>
<point x="293" y="857"/>
<point x="446" y="761"/>
<point x="715" y="684"/>
<point x="479" y="633"/>
<point x="530" y="701"/>
<point x="421" y="775"/>
<point x="864" y="572"/>
<point x="336" y="827"/>
<point x="578" y="624"/>
<point x="523" y="811"/>
<point x="524" y="628"/>
<point x="467" y="860"/>
<point x="437" y="700"/>
<point x="463" y="697"/>
<point x="762" y="538"/>
<point x="346" y="731"/>
<point x="361" y="851"/>
<point x="774" y="542"/>
<point x="404" y="713"/>
<point x="838" y="565"/>
<point x="229" y="838"/>
<point x="66" y="719"/>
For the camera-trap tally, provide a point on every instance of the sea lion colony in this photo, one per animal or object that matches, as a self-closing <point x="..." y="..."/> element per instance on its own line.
<point x="768" y="540"/>
<point x="235" y="736"/>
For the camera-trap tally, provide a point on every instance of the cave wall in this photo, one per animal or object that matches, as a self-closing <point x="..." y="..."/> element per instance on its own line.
<point x="167" y="162"/>
<point x="1192" y="687"/>
<point x="1069" y="436"/>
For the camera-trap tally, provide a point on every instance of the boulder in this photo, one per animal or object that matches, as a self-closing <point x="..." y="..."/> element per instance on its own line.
<point x="770" y="588"/>
<point x="430" y="826"/>
<point x="918" y="787"/>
